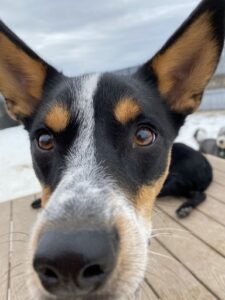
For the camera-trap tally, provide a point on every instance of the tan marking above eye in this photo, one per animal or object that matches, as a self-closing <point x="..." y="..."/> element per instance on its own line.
<point x="126" y="110"/>
<point x="57" y="118"/>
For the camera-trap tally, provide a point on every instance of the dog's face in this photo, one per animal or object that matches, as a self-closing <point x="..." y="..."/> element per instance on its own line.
<point x="101" y="149"/>
<point x="102" y="155"/>
<point x="220" y="141"/>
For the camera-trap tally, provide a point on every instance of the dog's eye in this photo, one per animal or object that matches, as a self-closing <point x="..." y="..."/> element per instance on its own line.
<point x="45" y="141"/>
<point x="144" y="136"/>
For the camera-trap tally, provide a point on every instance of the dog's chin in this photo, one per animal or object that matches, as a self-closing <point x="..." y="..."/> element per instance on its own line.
<point x="38" y="293"/>
<point x="88" y="297"/>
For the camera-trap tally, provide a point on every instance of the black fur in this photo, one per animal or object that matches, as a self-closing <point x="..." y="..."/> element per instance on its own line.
<point x="189" y="176"/>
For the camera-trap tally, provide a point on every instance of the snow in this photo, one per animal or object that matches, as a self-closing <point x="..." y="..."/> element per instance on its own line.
<point x="17" y="177"/>
<point x="211" y="122"/>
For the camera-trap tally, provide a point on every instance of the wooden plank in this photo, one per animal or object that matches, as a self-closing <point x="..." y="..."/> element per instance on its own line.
<point x="216" y="191"/>
<point x="147" y="293"/>
<point x="23" y="219"/>
<point x="214" y="209"/>
<point x="202" y="261"/>
<point x="170" y="279"/>
<point x="196" y="223"/>
<point x="217" y="163"/>
<point x="219" y="177"/>
<point x="5" y="215"/>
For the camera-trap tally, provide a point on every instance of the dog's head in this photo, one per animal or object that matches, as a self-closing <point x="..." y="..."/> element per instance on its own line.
<point x="220" y="141"/>
<point x="101" y="149"/>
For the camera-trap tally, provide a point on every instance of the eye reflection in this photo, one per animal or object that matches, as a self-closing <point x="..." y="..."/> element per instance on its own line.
<point x="144" y="136"/>
<point x="45" y="141"/>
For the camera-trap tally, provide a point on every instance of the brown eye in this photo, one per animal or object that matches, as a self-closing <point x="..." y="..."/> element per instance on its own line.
<point x="144" y="136"/>
<point x="45" y="141"/>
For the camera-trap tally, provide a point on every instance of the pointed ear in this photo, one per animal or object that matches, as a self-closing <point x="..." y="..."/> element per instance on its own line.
<point x="23" y="75"/>
<point x="184" y="66"/>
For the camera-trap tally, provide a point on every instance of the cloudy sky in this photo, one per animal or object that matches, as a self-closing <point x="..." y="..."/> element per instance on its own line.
<point x="80" y="36"/>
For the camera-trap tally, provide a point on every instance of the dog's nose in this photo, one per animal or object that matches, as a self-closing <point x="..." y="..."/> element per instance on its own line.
<point x="83" y="259"/>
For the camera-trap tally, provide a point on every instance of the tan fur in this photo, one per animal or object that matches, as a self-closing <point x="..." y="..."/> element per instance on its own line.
<point x="46" y="193"/>
<point x="180" y="84"/>
<point x="21" y="79"/>
<point x="126" y="110"/>
<point x="57" y="118"/>
<point x="147" y="194"/>
<point x="130" y="269"/>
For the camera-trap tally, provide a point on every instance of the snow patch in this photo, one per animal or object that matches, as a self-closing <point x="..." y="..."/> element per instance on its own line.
<point x="211" y="122"/>
<point x="17" y="177"/>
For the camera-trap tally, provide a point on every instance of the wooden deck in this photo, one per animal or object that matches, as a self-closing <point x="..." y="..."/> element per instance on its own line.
<point x="187" y="257"/>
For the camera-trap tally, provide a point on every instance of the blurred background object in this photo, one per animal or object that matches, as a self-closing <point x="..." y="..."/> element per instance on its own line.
<point x="5" y="120"/>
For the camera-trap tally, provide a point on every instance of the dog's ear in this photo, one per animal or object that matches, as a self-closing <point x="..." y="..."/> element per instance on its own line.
<point x="184" y="66"/>
<point x="23" y="75"/>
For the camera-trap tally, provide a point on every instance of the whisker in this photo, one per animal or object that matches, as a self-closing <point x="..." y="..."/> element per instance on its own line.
<point x="170" y="235"/>
<point x="168" y="228"/>
<point x="161" y="255"/>
<point x="4" y="276"/>
<point x="14" y="241"/>
<point x="22" y="285"/>
<point x="14" y="232"/>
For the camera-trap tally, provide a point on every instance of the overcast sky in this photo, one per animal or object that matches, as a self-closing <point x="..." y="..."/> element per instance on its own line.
<point x="79" y="36"/>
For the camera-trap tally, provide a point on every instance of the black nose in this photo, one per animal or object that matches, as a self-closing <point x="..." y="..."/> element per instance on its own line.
<point x="82" y="259"/>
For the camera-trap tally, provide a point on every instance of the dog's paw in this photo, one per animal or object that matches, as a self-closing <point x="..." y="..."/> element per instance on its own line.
<point x="184" y="211"/>
<point x="36" y="204"/>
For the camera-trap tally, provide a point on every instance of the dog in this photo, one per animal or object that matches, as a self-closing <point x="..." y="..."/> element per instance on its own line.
<point x="101" y="147"/>
<point x="214" y="147"/>
<point x="190" y="174"/>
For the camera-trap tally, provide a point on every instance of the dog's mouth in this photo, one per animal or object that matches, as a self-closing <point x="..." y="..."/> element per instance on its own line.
<point x="110" y="295"/>
<point x="106" y="296"/>
<point x="90" y="297"/>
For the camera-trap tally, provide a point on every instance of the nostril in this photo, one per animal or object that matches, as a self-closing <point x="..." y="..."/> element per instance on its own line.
<point x="48" y="276"/>
<point x="93" y="271"/>
<point x="92" y="277"/>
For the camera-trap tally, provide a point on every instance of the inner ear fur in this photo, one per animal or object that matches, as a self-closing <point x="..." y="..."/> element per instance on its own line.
<point x="22" y="75"/>
<point x="184" y="66"/>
